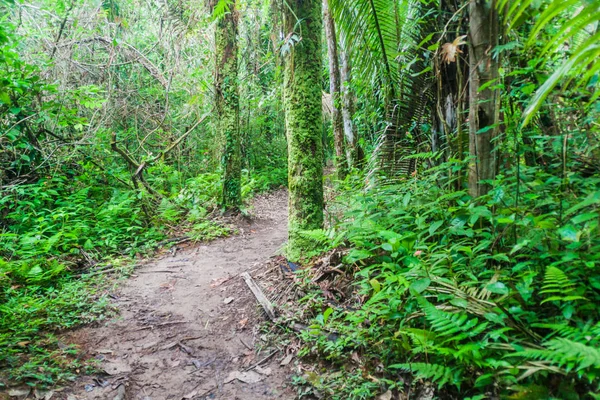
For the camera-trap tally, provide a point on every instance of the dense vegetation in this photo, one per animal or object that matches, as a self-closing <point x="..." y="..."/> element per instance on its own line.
<point x="103" y="155"/>
<point x="465" y="142"/>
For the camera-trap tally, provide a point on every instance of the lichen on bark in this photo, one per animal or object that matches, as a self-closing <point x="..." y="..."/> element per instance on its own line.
<point x="227" y="106"/>
<point x="303" y="120"/>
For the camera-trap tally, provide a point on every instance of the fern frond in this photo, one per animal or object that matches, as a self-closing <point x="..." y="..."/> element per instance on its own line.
<point x="446" y="324"/>
<point x="558" y="285"/>
<point x="317" y="235"/>
<point x="588" y="334"/>
<point x="437" y="373"/>
<point x="565" y="353"/>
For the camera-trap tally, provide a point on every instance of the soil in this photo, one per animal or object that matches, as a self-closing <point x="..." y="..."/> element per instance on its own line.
<point x="189" y="327"/>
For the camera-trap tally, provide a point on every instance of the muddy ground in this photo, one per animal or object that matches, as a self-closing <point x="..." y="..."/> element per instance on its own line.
<point x="188" y="327"/>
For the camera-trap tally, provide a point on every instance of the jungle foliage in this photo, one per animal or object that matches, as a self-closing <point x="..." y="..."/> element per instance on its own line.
<point x="494" y="296"/>
<point x="103" y="156"/>
<point x="465" y="137"/>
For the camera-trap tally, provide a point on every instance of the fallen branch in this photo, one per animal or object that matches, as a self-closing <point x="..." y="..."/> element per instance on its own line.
<point x="139" y="167"/>
<point x="260" y="296"/>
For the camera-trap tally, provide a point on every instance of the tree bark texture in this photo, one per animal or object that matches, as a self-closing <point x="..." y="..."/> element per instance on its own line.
<point x="334" y="88"/>
<point x="484" y="102"/>
<point x="303" y="121"/>
<point x="227" y="105"/>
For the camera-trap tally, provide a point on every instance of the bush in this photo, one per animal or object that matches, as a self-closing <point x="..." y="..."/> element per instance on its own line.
<point x="487" y="297"/>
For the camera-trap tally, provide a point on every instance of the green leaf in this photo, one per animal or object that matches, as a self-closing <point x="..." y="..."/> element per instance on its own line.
<point x="506" y="220"/>
<point x="326" y="314"/>
<point x="569" y="233"/>
<point x="387" y="247"/>
<point x="434" y="227"/>
<point x="5" y="98"/>
<point x="420" y="285"/>
<point x="357" y="255"/>
<point x="458" y="302"/>
<point x="498" y="288"/>
<point x="522" y="243"/>
<point x="36" y="270"/>
<point x="375" y="285"/>
<point x="584" y="217"/>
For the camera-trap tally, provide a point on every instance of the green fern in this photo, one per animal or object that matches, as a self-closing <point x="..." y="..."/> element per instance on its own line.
<point x="558" y="286"/>
<point x="449" y="324"/>
<point x="589" y="334"/>
<point x="437" y="373"/>
<point x="567" y="354"/>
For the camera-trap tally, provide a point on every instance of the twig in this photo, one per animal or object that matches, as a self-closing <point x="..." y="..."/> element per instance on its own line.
<point x="256" y="364"/>
<point x="245" y="344"/>
<point x="162" y="324"/>
<point x="157" y="271"/>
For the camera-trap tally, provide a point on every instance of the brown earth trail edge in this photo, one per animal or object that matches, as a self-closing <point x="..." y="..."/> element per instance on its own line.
<point x="185" y="331"/>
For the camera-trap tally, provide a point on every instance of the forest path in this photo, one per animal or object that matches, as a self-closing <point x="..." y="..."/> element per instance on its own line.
<point x="176" y="338"/>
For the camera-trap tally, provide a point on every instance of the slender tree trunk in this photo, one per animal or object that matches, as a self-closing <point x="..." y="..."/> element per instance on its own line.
<point x="354" y="153"/>
<point x="303" y="121"/>
<point x="227" y="105"/>
<point x="484" y="103"/>
<point x="334" y="88"/>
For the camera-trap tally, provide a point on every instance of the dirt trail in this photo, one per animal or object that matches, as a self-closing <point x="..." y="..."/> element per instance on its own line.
<point x="176" y="338"/>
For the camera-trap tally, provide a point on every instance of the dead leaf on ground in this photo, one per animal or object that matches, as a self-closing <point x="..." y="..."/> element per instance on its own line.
<point x="43" y="395"/>
<point x="246" y="377"/>
<point x="228" y="300"/>
<point x="191" y="394"/>
<point x="263" y="371"/>
<point x="120" y="393"/>
<point x="219" y="281"/>
<point x="385" y="396"/>
<point x="19" y="392"/>
<point x="287" y="360"/>
<point x="168" y="285"/>
<point x="249" y="356"/>
<point x="243" y="323"/>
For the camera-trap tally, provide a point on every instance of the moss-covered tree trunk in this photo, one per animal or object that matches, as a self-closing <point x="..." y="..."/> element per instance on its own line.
<point x="227" y="105"/>
<point x="303" y="120"/>
<point x="334" y="88"/>
<point x="483" y="102"/>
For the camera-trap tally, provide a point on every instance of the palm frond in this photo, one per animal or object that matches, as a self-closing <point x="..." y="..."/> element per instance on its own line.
<point x="370" y="27"/>
<point x="580" y="30"/>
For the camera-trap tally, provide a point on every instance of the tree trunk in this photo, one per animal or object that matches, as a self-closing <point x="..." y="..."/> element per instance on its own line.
<point x="334" y="89"/>
<point x="303" y="121"/>
<point x="227" y="106"/>
<point x="484" y="104"/>
<point x="354" y="153"/>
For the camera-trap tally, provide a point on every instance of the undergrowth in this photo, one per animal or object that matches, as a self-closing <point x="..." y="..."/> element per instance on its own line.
<point x="55" y="229"/>
<point x="485" y="299"/>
